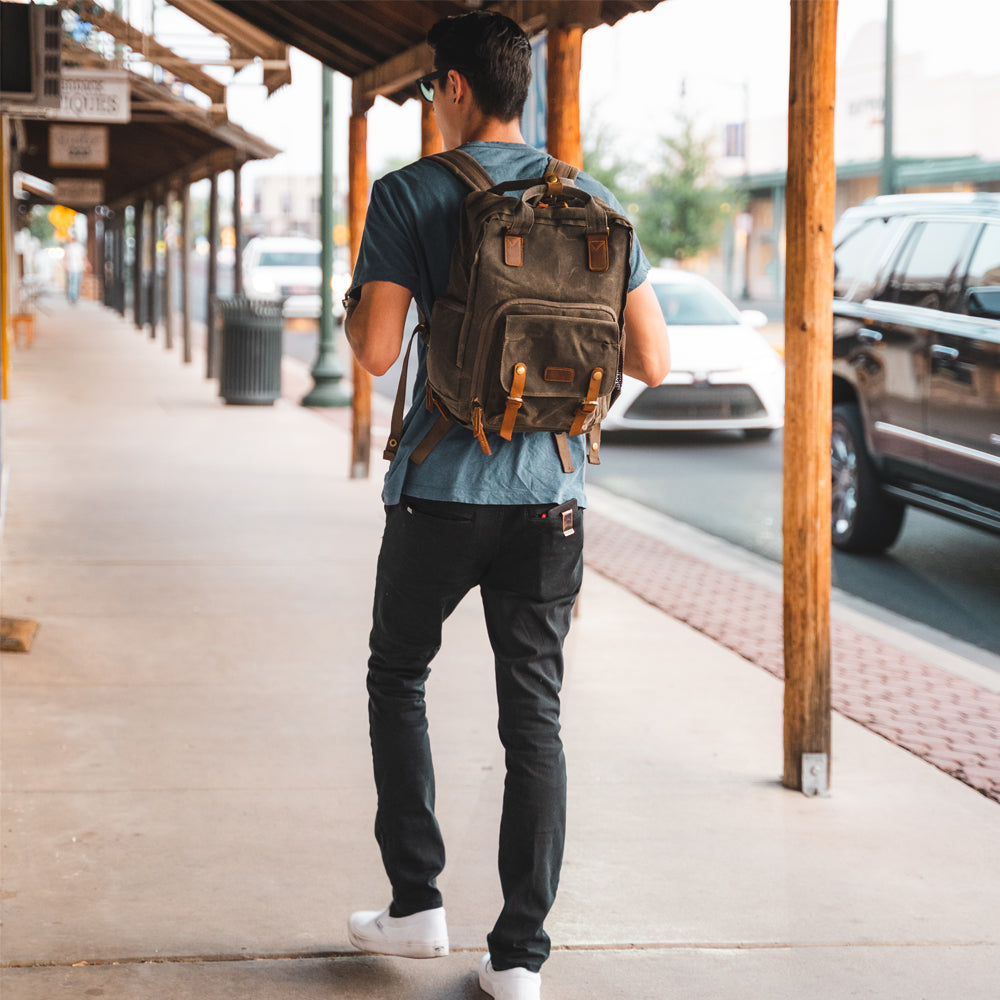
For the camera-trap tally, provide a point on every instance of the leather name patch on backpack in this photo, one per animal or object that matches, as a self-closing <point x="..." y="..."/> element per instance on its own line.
<point x="528" y="336"/>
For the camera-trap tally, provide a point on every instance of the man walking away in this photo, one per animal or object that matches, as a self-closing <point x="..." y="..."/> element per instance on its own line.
<point x="461" y="518"/>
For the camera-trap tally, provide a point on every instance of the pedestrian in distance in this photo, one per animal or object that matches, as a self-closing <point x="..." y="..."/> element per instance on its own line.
<point x="460" y="518"/>
<point x="74" y="260"/>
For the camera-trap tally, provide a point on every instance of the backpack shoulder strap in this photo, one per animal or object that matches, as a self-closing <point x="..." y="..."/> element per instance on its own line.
<point x="562" y="169"/>
<point x="465" y="167"/>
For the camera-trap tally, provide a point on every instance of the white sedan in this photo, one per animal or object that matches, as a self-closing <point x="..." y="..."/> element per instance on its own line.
<point x="723" y="373"/>
<point x="289" y="267"/>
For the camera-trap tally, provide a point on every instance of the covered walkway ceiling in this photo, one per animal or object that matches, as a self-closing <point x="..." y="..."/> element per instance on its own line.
<point x="168" y="141"/>
<point x="380" y="43"/>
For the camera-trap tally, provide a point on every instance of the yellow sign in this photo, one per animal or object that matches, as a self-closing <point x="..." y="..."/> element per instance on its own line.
<point x="62" y="218"/>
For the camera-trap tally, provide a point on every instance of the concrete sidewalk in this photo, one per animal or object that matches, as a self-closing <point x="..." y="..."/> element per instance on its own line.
<point x="188" y="801"/>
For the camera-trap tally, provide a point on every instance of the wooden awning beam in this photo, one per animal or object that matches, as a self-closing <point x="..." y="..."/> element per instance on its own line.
<point x="245" y="40"/>
<point x="153" y="51"/>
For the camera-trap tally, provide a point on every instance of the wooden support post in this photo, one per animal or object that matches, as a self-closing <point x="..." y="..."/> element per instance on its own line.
<point x="118" y="262"/>
<point x="357" y="207"/>
<point x="808" y="355"/>
<point x="565" y="46"/>
<point x="155" y="290"/>
<point x="238" y="229"/>
<point x="138" y="260"/>
<point x="94" y="258"/>
<point x="102" y="240"/>
<point x="168" y="271"/>
<point x="212" y="360"/>
<point x="430" y="135"/>
<point x="186" y="273"/>
<point x="6" y="254"/>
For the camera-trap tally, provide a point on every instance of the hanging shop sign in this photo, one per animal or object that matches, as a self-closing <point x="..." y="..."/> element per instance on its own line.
<point x="79" y="191"/>
<point x="92" y="96"/>
<point x="78" y="146"/>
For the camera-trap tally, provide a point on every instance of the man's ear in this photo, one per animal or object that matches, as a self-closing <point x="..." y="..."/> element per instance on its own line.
<point x="458" y="86"/>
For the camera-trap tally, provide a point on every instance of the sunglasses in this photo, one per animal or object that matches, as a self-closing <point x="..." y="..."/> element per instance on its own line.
<point x="426" y="83"/>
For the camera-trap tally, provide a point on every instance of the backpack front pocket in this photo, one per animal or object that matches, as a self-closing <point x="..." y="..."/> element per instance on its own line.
<point x="557" y="358"/>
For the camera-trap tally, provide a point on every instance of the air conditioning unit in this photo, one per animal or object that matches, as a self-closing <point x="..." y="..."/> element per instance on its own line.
<point x="30" y="57"/>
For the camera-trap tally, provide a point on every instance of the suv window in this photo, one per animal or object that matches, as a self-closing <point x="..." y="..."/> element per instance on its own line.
<point x="856" y="257"/>
<point x="927" y="272"/>
<point x="984" y="268"/>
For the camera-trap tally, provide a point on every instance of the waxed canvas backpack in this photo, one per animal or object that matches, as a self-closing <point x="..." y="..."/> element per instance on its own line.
<point x="528" y="336"/>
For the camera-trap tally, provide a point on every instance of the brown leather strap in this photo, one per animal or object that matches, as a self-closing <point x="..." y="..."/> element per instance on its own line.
<point x="478" y="431"/>
<point x="396" y="424"/>
<point x="514" y="400"/>
<point x="562" y="446"/>
<point x="598" y="254"/>
<point x="594" y="445"/>
<point x="589" y="404"/>
<point x="430" y="440"/>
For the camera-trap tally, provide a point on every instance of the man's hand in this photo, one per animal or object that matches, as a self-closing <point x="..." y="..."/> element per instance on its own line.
<point x="647" y="348"/>
<point x="375" y="325"/>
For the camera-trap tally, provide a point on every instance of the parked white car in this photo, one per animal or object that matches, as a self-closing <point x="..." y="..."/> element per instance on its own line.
<point x="287" y="267"/>
<point x="723" y="374"/>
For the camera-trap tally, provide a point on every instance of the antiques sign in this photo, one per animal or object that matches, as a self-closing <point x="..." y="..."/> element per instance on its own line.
<point x="94" y="96"/>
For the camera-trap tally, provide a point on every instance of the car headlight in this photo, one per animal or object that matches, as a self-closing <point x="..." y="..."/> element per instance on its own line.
<point x="263" y="284"/>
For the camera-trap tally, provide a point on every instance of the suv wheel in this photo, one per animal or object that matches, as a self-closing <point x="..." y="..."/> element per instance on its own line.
<point x="863" y="519"/>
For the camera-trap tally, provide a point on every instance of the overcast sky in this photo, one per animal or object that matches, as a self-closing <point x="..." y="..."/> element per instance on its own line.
<point x="632" y="73"/>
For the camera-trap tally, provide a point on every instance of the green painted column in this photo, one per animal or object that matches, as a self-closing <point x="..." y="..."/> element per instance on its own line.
<point x="327" y="372"/>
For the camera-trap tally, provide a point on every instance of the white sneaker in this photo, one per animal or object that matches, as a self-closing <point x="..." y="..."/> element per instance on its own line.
<point x="420" y="935"/>
<point x="511" y="984"/>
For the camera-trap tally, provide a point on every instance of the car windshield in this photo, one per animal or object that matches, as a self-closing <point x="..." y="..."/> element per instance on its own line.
<point x="289" y="258"/>
<point x="689" y="305"/>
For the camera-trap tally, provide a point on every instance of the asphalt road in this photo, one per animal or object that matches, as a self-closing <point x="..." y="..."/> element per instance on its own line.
<point x="938" y="573"/>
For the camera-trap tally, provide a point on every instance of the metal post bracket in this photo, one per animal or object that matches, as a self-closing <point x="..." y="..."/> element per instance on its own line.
<point x="815" y="775"/>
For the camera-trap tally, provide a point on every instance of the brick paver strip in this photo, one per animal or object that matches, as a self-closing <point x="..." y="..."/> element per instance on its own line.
<point x="947" y="720"/>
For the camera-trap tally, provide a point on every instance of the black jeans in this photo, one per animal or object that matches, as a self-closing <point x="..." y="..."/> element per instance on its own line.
<point x="528" y="572"/>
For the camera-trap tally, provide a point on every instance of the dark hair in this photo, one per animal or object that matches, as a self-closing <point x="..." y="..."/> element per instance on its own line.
<point x="492" y="53"/>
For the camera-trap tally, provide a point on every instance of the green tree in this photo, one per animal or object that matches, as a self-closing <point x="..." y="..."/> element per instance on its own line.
<point x="602" y="160"/>
<point x="39" y="225"/>
<point x="680" y="205"/>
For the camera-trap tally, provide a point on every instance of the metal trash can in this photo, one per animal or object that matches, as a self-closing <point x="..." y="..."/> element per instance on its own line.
<point x="250" y="372"/>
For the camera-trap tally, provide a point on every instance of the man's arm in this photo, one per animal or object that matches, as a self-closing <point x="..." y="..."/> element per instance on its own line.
<point x="375" y="325"/>
<point x="647" y="348"/>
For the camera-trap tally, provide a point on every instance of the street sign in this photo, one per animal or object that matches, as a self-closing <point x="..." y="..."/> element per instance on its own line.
<point x="78" y="146"/>
<point x="81" y="191"/>
<point x="94" y="96"/>
<point x="62" y="218"/>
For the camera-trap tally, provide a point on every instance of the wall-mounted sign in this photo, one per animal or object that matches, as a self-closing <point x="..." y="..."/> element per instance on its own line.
<point x="94" y="96"/>
<point x="78" y="146"/>
<point x="79" y="191"/>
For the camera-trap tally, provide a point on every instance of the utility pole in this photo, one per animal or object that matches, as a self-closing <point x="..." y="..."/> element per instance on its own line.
<point x="888" y="180"/>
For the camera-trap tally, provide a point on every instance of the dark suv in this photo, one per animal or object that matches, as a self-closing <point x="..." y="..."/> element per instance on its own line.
<point x="916" y="365"/>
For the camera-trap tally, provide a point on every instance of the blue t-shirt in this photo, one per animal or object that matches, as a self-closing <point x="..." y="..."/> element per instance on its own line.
<point x="410" y="229"/>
